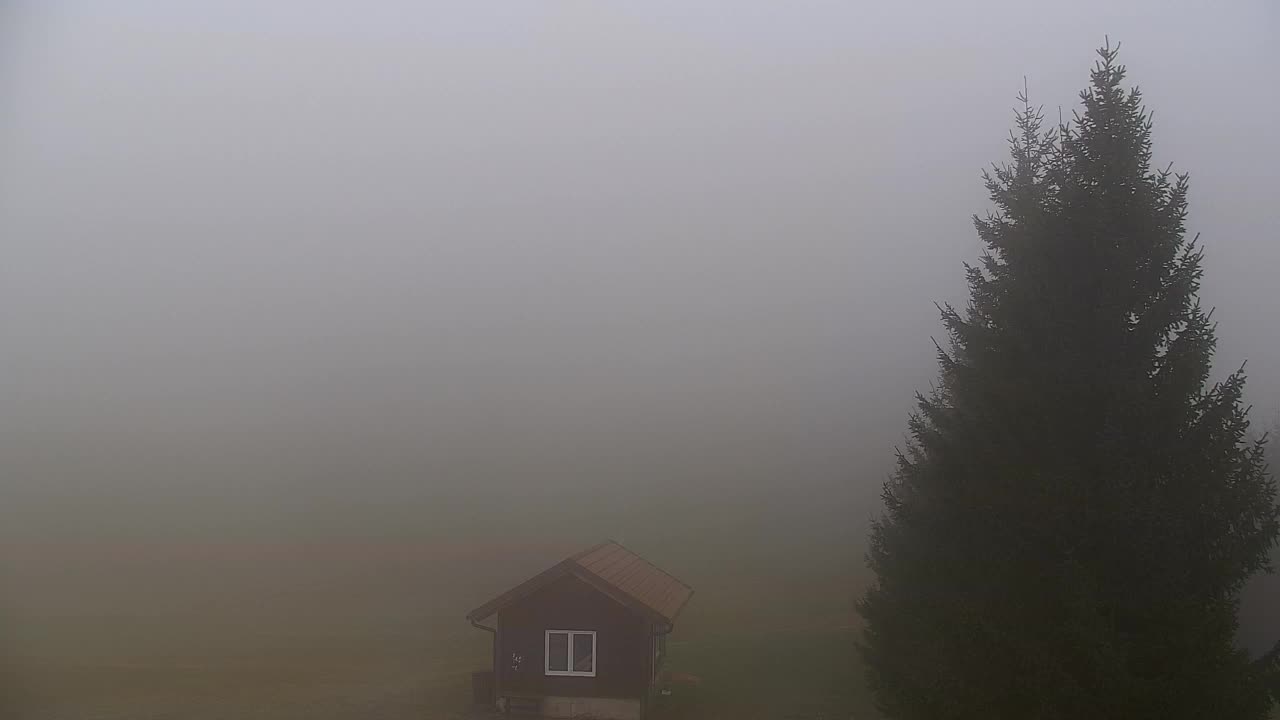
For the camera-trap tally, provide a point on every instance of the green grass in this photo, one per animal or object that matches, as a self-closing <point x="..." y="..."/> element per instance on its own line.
<point x="345" y="628"/>
<point x="377" y="632"/>
<point x="800" y="674"/>
<point x="380" y="634"/>
<point x="372" y="628"/>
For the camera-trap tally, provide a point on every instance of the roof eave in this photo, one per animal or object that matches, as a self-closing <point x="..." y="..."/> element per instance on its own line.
<point x="524" y="589"/>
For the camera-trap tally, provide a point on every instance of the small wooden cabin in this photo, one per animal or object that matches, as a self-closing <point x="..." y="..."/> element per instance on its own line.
<point x="586" y="637"/>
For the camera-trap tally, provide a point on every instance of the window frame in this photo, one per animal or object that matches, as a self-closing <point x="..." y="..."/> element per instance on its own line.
<point x="546" y="653"/>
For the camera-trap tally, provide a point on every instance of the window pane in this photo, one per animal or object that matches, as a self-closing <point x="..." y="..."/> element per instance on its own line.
<point x="558" y="652"/>
<point x="584" y="652"/>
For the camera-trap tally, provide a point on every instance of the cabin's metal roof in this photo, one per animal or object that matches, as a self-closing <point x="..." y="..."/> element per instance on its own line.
<point x="613" y="570"/>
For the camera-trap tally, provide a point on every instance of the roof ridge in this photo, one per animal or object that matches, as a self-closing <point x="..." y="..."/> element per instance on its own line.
<point x="646" y="562"/>
<point x="583" y="553"/>
<point x="614" y="565"/>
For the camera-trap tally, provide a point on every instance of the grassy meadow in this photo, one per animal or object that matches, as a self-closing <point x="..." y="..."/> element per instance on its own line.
<point x="366" y="620"/>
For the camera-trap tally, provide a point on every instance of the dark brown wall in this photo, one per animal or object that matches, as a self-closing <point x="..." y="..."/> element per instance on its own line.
<point x="622" y="643"/>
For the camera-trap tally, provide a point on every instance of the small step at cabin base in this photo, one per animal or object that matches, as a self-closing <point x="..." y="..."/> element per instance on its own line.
<point x="575" y="707"/>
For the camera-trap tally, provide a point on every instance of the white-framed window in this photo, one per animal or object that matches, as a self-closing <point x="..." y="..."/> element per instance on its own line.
<point x="570" y="652"/>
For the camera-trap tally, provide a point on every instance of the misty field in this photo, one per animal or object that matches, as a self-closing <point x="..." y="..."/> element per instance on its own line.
<point x="365" y="625"/>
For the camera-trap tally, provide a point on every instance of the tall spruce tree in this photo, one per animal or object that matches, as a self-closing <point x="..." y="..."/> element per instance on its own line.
<point x="1068" y="530"/>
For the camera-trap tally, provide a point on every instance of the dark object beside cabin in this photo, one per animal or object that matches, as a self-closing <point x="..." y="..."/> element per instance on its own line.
<point x="482" y="687"/>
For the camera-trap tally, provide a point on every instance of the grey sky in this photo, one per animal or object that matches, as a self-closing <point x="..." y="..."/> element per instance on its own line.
<point x="490" y="245"/>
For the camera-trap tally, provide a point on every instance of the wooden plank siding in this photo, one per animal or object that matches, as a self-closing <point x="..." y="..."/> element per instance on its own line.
<point x="624" y="657"/>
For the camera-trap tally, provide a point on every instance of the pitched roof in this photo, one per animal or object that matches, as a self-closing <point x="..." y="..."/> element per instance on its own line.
<point x="613" y="570"/>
